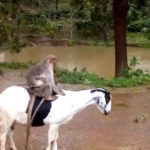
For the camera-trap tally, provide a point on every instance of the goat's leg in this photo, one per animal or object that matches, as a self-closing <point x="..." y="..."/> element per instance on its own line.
<point x="5" y="125"/>
<point x="3" y="138"/>
<point x="10" y="137"/>
<point x="52" y="137"/>
<point x="54" y="145"/>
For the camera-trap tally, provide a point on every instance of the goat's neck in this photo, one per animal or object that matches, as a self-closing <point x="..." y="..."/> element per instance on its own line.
<point x="67" y="106"/>
<point x="79" y="100"/>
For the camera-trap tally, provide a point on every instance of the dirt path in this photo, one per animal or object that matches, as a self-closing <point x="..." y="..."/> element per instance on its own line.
<point x="126" y="128"/>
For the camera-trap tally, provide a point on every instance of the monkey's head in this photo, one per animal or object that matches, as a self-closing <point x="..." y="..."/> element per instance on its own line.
<point x="51" y="60"/>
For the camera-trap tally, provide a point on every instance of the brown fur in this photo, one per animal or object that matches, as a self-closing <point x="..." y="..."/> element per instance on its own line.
<point x="41" y="78"/>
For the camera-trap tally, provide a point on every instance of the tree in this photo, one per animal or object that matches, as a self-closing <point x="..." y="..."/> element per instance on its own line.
<point x="139" y="17"/>
<point x="120" y="8"/>
<point x="93" y="18"/>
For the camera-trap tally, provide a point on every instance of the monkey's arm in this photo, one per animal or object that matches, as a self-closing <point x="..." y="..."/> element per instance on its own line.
<point x="51" y="82"/>
<point x="56" y="90"/>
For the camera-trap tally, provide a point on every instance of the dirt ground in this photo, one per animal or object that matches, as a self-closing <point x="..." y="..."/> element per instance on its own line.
<point x="127" y="127"/>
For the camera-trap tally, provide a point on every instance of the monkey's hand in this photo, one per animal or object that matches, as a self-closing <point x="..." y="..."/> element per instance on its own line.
<point x="62" y="92"/>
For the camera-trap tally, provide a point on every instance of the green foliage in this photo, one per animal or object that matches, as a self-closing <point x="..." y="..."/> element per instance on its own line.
<point x="92" y="18"/>
<point x="38" y="23"/>
<point x="62" y="12"/>
<point x="76" y="77"/>
<point x="15" y="65"/>
<point x="146" y="31"/>
<point x="131" y="79"/>
<point x="133" y="63"/>
<point x="14" y="21"/>
<point x="138" y="39"/>
<point x="139" y="17"/>
<point x="86" y="19"/>
<point x="141" y="25"/>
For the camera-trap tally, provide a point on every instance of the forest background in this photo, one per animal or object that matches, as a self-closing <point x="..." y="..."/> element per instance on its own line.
<point x="82" y="22"/>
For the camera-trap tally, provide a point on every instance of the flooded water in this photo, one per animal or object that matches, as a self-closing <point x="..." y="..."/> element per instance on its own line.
<point x="98" y="60"/>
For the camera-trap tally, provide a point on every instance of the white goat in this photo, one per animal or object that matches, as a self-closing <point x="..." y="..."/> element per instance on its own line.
<point x="14" y="102"/>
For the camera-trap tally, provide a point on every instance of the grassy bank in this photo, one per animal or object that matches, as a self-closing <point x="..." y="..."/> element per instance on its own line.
<point x="131" y="79"/>
<point x="138" y="39"/>
<point x="133" y="39"/>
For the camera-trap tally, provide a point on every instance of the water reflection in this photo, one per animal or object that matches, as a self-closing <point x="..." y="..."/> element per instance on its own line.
<point x="98" y="60"/>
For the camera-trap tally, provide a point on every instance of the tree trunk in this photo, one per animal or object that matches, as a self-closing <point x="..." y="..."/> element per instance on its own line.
<point x="120" y="8"/>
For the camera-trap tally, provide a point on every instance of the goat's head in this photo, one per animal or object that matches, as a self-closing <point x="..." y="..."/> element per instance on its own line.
<point x="102" y="99"/>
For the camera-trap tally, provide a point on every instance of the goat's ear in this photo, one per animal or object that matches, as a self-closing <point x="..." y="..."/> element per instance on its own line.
<point x="107" y="95"/>
<point x="92" y="91"/>
<point x="98" y="90"/>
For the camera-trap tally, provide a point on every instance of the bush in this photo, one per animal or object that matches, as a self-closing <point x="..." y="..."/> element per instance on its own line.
<point x="132" y="79"/>
<point x="38" y="23"/>
<point x="141" y="25"/>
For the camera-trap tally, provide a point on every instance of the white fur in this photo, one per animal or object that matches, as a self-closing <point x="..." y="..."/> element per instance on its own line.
<point x="14" y="101"/>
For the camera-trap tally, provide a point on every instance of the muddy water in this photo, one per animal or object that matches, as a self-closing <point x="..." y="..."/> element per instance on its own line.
<point x="98" y="60"/>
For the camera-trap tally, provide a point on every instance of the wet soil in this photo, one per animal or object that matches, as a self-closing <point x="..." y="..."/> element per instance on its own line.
<point x="127" y="127"/>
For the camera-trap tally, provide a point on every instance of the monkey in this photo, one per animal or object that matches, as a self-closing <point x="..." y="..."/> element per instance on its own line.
<point x="42" y="82"/>
<point x="41" y="79"/>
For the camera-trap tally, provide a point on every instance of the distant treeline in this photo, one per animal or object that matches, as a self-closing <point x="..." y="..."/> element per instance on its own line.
<point x="66" y="19"/>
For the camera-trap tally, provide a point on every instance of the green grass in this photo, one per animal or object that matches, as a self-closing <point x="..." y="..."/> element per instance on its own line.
<point x="15" y="65"/>
<point x="133" y="39"/>
<point x="138" y="39"/>
<point x="132" y="79"/>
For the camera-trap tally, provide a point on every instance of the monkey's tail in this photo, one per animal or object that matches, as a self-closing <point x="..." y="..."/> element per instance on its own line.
<point x="30" y="119"/>
<point x="31" y="102"/>
<point x="35" y="112"/>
